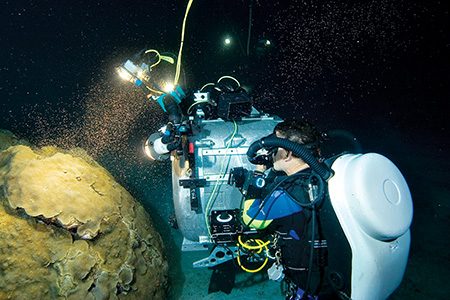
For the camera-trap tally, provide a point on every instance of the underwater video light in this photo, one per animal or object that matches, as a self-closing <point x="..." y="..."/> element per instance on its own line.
<point x="155" y="149"/>
<point x="131" y="72"/>
<point x="168" y="87"/>
<point x="124" y="74"/>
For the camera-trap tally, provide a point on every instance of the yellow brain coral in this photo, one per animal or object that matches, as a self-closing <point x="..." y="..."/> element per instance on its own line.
<point x="62" y="188"/>
<point x="68" y="230"/>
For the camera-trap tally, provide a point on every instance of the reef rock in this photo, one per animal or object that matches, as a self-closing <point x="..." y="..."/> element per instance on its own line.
<point x="7" y="139"/>
<point x="69" y="231"/>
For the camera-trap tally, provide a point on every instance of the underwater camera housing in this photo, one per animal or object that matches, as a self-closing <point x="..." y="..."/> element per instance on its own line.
<point x="215" y="146"/>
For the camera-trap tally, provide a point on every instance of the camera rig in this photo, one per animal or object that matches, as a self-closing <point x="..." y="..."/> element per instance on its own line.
<point x="208" y="133"/>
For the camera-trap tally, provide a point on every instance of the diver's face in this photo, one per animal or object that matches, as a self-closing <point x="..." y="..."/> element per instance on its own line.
<point x="279" y="157"/>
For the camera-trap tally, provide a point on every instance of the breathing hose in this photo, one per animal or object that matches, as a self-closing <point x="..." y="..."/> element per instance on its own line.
<point x="304" y="153"/>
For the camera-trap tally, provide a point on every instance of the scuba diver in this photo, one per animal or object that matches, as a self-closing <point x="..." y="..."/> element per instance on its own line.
<point x="285" y="203"/>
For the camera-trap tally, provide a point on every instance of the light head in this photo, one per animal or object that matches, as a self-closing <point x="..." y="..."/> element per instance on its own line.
<point x="134" y="73"/>
<point x="155" y="149"/>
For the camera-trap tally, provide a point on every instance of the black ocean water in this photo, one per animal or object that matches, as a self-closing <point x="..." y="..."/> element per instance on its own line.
<point x="378" y="69"/>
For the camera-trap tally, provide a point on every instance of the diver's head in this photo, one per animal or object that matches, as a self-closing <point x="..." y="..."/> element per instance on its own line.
<point x="301" y="132"/>
<point x="298" y="131"/>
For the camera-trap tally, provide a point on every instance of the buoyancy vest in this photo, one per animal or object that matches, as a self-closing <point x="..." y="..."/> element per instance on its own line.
<point x="285" y="211"/>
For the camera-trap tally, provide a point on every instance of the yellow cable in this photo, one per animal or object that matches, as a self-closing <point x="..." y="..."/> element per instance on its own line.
<point x="169" y="59"/>
<point x="252" y="247"/>
<point x="177" y="73"/>
<point x="194" y="104"/>
<point x="157" y="54"/>
<point x="147" y="85"/>
<point x="154" y="91"/>
<point x="211" y="83"/>
<point x="229" y="77"/>
<point x="260" y="243"/>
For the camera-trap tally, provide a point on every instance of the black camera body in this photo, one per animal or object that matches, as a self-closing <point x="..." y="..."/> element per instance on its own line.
<point x="238" y="177"/>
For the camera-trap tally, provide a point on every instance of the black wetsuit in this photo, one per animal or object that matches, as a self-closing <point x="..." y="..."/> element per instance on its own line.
<point x="291" y="219"/>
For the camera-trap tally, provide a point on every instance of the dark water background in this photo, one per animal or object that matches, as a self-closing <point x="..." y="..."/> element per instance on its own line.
<point x="378" y="69"/>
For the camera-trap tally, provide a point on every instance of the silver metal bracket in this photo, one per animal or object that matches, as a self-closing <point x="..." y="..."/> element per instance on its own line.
<point x="189" y="245"/>
<point x="217" y="256"/>
<point x="203" y="97"/>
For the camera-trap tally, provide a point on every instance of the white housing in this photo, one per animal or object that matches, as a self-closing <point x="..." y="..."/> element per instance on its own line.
<point x="373" y="204"/>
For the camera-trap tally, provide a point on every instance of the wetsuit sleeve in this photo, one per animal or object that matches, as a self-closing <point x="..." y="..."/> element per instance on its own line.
<point x="259" y="213"/>
<point x="249" y="216"/>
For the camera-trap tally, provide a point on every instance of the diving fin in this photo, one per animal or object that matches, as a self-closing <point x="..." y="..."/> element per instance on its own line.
<point x="222" y="278"/>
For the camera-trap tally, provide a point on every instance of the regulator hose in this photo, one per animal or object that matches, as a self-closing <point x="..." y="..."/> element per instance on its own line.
<point x="272" y="141"/>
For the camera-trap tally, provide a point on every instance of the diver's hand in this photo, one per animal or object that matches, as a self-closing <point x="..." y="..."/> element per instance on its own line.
<point x="237" y="177"/>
